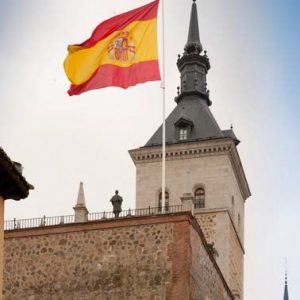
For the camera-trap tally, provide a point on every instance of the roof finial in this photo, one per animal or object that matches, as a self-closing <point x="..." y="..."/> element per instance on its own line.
<point x="193" y="45"/>
<point x="285" y="277"/>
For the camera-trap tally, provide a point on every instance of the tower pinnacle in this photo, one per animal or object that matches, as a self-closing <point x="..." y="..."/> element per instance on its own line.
<point x="81" y="212"/>
<point x="286" y="293"/>
<point x="80" y="197"/>
<point x="192" y="65"/>
<point x="193" y="45"/>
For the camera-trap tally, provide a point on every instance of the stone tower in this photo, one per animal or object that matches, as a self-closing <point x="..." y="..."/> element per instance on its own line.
<point x="202" y="162"/>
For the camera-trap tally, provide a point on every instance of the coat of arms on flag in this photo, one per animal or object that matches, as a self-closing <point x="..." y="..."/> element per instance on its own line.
<point x="123" y="48"/>
<point x="122" y="52"/>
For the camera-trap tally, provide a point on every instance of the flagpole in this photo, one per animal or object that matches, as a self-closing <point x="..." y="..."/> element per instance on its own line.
<point x="163" y="86"/>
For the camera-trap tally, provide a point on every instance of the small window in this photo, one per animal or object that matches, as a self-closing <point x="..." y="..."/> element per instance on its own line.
<point x="183" y="134"/>
<point x="184" y="128"/>
<point x="166" y="201"/>
<point x="199" y="198"/>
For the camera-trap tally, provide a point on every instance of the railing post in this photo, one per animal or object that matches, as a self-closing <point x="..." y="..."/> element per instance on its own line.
<point x="43" y="221"/>
<point x="129" y="213"/>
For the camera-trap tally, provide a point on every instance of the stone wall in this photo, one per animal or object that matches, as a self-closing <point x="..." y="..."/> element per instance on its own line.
<point x="236" y="264"/>
<point x="134" y="258"/>
<point x="115" y="263"/>
<point x="219" y="229"/>
<point x="213" y="165"/>
<point x="200" y="274"/>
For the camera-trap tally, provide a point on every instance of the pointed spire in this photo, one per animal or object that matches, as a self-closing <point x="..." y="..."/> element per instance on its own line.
<point x="192" y="65"/>
<point x="286" y="293"/>
<point x="80" y="197"/>
<point x="81" y="212"/>
<point x="193" y="45"/>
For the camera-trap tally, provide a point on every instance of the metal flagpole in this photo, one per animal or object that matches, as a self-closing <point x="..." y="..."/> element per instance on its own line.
<point x="163" y="86"/>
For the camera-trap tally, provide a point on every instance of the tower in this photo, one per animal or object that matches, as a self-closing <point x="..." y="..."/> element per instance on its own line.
<point x="202" y="162"/>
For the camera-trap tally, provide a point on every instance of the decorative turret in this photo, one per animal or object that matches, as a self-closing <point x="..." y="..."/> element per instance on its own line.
<point x="192" y="65"/>
<point x="81" y="212"/>
<point x="191" y="120"/>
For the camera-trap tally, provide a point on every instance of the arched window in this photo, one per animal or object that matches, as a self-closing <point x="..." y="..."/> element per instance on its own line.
<point x="199" y="198"/>
<point x="166" y="201"/>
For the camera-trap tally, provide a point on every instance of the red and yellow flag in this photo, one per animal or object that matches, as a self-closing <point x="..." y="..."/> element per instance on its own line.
<point x="122" y="52"/>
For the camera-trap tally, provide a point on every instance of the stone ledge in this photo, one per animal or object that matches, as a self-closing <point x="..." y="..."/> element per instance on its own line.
<point x="183" y="150"/>
<point x="96" y="225"/>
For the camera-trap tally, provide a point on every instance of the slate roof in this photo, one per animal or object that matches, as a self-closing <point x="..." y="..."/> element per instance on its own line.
<point x="192" y="104"/>
<point x="230" y="134"/>
<point x="197" y="111"/>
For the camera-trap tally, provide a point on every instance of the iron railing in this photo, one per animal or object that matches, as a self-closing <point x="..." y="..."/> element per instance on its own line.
<point x="38" y="222"/>
<point x="60" y="220"/>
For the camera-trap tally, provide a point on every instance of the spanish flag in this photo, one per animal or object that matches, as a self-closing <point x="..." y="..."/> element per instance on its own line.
<point x="121" y="52"/>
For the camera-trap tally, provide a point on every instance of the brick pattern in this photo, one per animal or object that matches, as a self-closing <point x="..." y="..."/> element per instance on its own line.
<point x="179" y="255"/>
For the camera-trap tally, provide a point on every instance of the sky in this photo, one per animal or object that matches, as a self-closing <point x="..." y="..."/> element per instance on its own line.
<point x="254" y="50"/>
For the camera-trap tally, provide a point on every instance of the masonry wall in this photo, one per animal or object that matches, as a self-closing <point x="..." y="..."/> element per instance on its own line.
<point x="199" y="273"/>
<point x="185" y="172"/>
<point x="213" y="166"/>
<point x="137" y="258"/>
<point x="219" y="230"/>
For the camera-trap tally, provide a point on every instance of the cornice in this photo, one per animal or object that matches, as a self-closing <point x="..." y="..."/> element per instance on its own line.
<point x="179" y="151"/>
<point x="239" y="173"/>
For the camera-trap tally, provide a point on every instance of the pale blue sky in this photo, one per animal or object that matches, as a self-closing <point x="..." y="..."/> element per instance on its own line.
<point x="254" y="48"/>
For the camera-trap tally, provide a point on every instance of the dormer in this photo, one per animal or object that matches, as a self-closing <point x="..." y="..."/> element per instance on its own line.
<point x="184" y="129"/>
